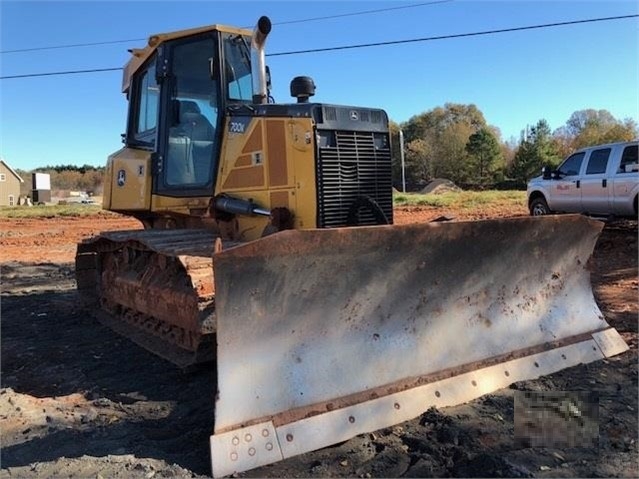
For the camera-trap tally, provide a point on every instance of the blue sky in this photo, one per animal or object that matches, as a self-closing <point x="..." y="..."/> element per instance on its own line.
<point x="514" y="78"/>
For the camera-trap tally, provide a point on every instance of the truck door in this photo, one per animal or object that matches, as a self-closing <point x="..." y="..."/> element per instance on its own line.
<point x="595" y="198"/>
<point x="565" y="191"/>
<point x="625" y="181"/>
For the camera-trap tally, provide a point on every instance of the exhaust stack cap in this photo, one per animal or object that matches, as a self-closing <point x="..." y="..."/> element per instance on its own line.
<point x="264" y="25"/>
<point x="258" y="64"/>
<point x="302" y="88"/>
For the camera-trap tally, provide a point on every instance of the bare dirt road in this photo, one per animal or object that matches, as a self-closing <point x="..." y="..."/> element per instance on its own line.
<point x="78" y="400"/>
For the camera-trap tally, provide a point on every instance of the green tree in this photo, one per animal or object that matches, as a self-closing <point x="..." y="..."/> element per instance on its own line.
<point x="563" y="142"/>
<point x="396" y="159"/>
<point x="484" y="155"/>
<point x="594" y="127"/>
<point x="508" y="150"/>
<point x="451" y="158"/>
<point x="438" y="139"/>
<point x="536" y="149"/>
<point x="418" y="162"/>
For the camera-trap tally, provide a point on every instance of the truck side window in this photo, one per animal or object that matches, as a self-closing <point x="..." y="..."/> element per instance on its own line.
<point x="598" y="161"/>
<point x="629" y="161"/>
<point x="572" y="165"/>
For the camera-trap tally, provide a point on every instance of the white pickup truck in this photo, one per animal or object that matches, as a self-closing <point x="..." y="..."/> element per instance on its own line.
<point x="600" y="181"/>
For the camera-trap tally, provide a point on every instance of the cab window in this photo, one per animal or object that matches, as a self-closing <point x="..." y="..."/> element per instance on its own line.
<point x="598" y="161"/>
<point x="629" y="161"/>
<point x="237" y="66"/>
<point x="572" y="165"/>
<point x="145" y="106"/>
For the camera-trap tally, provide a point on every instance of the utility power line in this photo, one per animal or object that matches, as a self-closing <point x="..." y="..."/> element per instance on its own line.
<point x="288" y="22"/>
<point x="71" y="72"/>
<point x="366" y="12"/>
<point x="457" y="35"/>
<point x="72" y="45"/>
<point x="367" y="45"/>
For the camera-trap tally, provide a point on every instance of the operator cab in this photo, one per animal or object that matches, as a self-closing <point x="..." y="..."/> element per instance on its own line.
<point x="176" y="102"/>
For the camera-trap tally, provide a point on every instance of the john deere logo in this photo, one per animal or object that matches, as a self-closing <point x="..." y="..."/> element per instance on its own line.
<point x="121" y="177"/>
<point x="354" y="115"/>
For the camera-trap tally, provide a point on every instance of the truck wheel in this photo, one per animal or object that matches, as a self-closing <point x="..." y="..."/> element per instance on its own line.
<point x="539" y="207"/>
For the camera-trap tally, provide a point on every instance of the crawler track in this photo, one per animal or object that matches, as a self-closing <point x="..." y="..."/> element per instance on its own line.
<point x="155" y="287"/>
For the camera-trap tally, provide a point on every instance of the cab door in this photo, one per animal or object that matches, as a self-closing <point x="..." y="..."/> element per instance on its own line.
<point x="626" y="181"/>
<point x="565" y="190"/>
<point x="595" y="188"/>
<point x="188" y="143"/>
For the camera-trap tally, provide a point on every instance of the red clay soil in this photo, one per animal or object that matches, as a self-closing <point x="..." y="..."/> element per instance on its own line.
<point x="420" y="214"/>
<point x="53" y="240"/>
<point x="77" y="400"/>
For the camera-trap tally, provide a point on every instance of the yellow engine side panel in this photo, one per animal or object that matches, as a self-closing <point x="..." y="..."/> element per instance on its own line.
<point x="301" y="149"/>
<point x="189" y="206"/>
<point x="270" y="161"/>
<point x="128" y="180"/>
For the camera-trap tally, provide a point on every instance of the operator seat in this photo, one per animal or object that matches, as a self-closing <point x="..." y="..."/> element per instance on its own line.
<point x="190" y="145"/>
<point x="191" y="117"/>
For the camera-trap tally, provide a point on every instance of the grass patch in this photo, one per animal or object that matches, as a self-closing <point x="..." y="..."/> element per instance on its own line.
<point x="50" y="211"/>
<point x="451" y="199"/>
<point x="462" y="199"/>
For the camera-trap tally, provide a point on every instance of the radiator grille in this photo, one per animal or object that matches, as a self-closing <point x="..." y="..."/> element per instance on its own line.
<point x="353" y="168"/>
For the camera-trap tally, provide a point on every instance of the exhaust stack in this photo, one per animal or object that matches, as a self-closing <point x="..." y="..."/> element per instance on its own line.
<point x="258" y="64"/>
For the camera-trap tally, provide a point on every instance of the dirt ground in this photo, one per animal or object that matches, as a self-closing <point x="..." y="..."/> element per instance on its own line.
<point x="78" y="400"/>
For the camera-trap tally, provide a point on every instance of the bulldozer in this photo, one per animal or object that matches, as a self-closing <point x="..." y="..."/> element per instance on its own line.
<point x="269" y="251"/>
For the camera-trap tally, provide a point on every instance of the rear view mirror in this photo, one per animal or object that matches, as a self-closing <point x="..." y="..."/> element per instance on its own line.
<point x="268" y="78"/>
<point x="546" y="172"/>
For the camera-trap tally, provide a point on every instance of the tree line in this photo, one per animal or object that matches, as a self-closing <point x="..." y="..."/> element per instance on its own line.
<point x="86" y="178"/>
<point x="455" y="142"/>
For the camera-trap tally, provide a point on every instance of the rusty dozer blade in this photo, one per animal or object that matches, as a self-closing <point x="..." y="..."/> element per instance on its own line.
<point x="326" y="334"/>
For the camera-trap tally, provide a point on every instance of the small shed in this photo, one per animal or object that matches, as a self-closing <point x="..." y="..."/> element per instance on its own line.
<point x="9" y="185"/>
